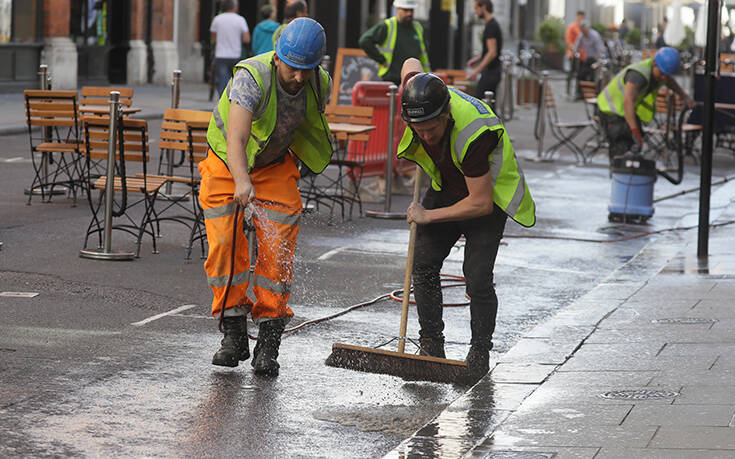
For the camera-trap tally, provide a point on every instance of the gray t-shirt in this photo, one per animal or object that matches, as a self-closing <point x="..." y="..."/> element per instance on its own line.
<point x="290" y="113"/>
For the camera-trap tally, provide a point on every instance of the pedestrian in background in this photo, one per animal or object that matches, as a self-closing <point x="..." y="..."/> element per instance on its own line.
<point x="660" y="42"/>
<point x="573" y="32"/>
<point x="487" y="65"/>
<point x="279" y="96"/>
<point x="263" y="32"/>
<point x="590" y="47"/>
<point x="294" y="9"/>
<point x="395" y="39"/>
<point x="476" y="184"/>
<point x="229" y="32"/>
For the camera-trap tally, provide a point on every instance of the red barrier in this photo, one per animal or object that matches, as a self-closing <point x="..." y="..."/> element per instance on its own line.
<point x="375" y="94"/>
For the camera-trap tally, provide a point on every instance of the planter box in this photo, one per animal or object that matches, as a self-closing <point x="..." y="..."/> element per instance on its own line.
<point x="553" y="59"/>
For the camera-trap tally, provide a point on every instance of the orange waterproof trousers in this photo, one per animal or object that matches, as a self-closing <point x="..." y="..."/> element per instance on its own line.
<point x="276" y="219"/>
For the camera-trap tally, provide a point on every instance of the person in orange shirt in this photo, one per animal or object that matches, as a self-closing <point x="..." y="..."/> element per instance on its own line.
<point x="572" y="35"/>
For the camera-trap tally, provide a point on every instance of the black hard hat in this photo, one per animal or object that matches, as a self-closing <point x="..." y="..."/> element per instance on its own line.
<point x="425" y="96"/>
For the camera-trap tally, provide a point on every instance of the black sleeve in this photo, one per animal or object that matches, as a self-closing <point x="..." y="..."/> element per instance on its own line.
<point x="492" y="30"/>
<point x="476" y="161"/>
<point x="370" y="40"/>
<point x="636" y="78"/>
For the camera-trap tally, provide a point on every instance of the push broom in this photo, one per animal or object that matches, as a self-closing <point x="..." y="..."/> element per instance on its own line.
<point x="411" y="367"/>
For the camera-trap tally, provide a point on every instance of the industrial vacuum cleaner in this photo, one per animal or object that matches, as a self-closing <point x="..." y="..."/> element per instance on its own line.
<point x="633" y="176"/>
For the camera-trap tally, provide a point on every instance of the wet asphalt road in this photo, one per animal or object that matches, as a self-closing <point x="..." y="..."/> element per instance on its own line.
<point x="88" y="369"/>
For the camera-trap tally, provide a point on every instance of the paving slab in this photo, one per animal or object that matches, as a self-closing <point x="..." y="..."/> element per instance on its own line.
<point x="663" y="453"/>
<point x="583" y="436"/>
<point x="681" y="415"/>
<point x="490" y="451"/>
<point x="694" y="437"/>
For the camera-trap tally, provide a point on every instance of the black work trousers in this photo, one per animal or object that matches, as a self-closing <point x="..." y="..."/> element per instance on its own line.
<point x="618" y="134"/>
<point x="433" y="244"/>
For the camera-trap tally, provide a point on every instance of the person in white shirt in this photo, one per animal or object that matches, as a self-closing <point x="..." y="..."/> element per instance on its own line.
<point x="229" y="31"/>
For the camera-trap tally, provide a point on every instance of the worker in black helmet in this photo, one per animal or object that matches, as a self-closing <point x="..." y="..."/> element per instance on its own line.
<point x="476" y="184"/>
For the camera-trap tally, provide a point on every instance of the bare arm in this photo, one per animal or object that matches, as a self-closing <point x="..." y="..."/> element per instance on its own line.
<point x="492" y="53"/>
<point x="238" y="133"/>
<point x="214" y="36"/>
<point x="671" y="83"/>
<point x="631" y="92"/>
<point x="478" y="203"/>
<point x="246" y="37"/>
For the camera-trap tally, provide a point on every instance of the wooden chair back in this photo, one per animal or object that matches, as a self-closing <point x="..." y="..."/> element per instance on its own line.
<point x="51" y="108"/>
<point x="453" y="77"/>
<point x="175" y="132"/>
<point x="352" y="115"/>
<point x="134" y="138"/>
<point x="589" y="89"/>
<point x="100" y="95"/>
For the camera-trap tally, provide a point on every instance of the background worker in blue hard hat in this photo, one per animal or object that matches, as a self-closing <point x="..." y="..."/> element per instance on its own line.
<point x="630" y="98"/>
<point x="270" y="114"/>
<point x="476" y="184"/>
<point x="392" y="41"/>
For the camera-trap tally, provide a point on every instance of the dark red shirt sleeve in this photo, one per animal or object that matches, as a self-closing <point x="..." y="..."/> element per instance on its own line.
<point x="475" y="163"/>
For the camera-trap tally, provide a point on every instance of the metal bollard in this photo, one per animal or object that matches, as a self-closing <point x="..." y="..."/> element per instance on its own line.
<point x="326" y="63"/>
<point x="507" y="108"/>
<point x="44" y="82"/>
<point x="43" y="73"/>
<point x="106" y="253"/>
<point x="542" y="114"/>
<point x="490" y="99"/>
<point x="175" y="98"/>
<point x="387" y="214"/>
<point x="176" y="89"/>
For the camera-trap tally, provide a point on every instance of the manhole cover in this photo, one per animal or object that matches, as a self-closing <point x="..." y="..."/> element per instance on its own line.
<point x="640" y="394"/>
<point x="684" y="320"/>
<point x="518" y="455"/>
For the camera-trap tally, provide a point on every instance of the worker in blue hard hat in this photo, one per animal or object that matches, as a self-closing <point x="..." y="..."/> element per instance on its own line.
<point x="270" y="116"/>
<point x="630" y="98"/>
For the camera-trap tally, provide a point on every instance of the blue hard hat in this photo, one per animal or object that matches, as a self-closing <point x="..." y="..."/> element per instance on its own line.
<point x="667" y="60"/>
<point x="301" y="44"/>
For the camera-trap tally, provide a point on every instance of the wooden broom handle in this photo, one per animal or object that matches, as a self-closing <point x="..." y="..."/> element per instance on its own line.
<point x="409" y="266"/>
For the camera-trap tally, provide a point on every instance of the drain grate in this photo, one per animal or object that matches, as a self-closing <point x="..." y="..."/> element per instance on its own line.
<point x="518" y="455"/>
<point x="684" y="321"/>
<point x="639" y="394"/>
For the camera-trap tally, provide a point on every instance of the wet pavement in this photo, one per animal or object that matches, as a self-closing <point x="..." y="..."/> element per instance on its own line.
<point x="112" y="359"/>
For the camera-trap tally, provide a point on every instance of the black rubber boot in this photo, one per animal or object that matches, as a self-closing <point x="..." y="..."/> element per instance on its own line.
<point x="234" y="346"/>
<point x="478" y="362"/>
<point x="265" y="353"/>
<point x="433" y="347"/>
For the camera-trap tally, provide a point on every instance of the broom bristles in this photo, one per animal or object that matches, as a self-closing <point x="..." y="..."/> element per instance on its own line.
<point x="410" y="367"/>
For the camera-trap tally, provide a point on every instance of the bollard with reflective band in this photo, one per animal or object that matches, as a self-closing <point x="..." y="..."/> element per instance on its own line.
<point x="106" y="253"/>
<point x="45" y="84"/>
<point x="387" y="214"/>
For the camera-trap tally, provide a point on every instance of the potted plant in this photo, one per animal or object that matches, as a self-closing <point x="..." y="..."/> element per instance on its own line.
<point x="551" y="33"/>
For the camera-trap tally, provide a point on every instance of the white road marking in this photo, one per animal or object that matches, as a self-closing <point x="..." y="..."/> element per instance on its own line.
<point x="16" y="159"/>
<point x="163" y="314"/>
<point x="331" y="253"/>
<point x="19" y="294"/>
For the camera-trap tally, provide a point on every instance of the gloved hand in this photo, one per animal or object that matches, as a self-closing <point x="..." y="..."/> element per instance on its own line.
<point x="638" y="136"/>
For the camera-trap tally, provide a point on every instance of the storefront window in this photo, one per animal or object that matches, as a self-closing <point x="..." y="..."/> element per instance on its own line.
<point x="89" y="22"/>
<point x="18" y="21"/>
<point x="6" y="13"/>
